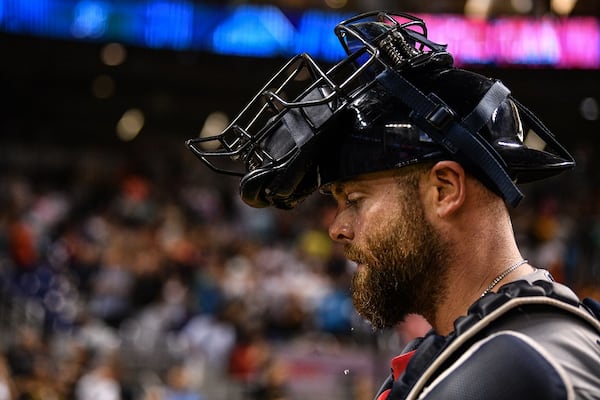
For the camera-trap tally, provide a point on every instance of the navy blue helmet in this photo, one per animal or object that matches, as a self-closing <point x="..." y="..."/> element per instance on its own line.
<point x="395" y="100"/>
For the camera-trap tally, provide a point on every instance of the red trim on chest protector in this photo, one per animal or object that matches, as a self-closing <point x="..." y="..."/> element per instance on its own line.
<point x="384" y="395"/>
<point x="398" y="366"/>
<point x="399" y="363"/>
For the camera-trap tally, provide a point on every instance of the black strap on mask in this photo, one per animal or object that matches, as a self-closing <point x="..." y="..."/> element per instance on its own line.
<point x="459" y="138"/>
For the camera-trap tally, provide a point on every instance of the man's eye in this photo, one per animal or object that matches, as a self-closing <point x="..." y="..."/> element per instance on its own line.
<point x="352" y="200"/>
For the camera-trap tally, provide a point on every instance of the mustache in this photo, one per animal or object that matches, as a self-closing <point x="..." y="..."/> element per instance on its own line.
<point x="355" y="254"/>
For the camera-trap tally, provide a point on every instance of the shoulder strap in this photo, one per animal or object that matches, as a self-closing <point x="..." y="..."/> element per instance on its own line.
<point x="520" y="293"/>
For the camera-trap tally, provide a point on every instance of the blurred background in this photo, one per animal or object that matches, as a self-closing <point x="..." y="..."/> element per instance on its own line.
<point x="129" y="271"/>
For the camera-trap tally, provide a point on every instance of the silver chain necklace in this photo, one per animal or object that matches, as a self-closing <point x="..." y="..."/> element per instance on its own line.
<point x="502" y="276"/>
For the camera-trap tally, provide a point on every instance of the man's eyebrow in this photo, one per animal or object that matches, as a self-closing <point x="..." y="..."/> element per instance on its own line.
<point x="337" y="188"/>
<point x="341" y="186"/>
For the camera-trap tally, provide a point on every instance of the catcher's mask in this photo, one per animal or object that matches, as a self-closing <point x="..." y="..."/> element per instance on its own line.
<point x="394" y="100"/>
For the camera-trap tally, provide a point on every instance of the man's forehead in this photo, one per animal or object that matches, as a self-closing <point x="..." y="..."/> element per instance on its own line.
<point x="341" y="185"/>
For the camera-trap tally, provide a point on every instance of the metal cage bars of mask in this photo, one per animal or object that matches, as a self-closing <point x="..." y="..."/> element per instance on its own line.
<point x="354" y="28"/>
<point x="243" y="139"/>
<point x="401" y="37"/>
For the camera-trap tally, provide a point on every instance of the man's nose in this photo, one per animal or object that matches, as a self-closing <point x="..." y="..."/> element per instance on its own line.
<point x="341" y="230"/>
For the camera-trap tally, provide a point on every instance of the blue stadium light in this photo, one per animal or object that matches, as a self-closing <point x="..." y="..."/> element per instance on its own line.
<point x="254" y="31"/>
<point x="27" y="16"/>
<point x="315" y="35"/>
<point x="90" y="19"/>
<point x="169" y="24"/>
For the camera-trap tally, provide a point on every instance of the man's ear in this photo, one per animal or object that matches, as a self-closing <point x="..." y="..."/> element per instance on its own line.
<point x="446" y="187"/>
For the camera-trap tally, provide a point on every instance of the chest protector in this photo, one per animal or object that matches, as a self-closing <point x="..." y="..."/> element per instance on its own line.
<point x="474" y="355"/>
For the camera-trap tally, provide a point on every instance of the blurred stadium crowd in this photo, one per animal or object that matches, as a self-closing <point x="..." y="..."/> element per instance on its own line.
<point x="131" y="272"/>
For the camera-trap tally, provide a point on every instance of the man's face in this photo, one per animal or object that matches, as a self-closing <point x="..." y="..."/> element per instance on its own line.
<point x="400" y="256"/>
